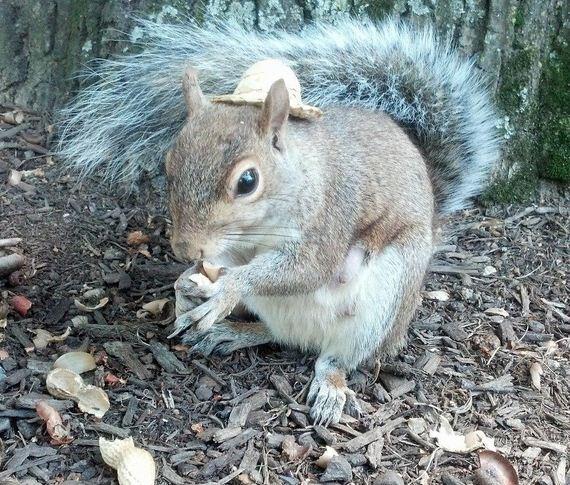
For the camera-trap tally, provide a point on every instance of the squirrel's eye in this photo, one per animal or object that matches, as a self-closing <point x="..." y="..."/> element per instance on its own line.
<point x="247" y="182"/>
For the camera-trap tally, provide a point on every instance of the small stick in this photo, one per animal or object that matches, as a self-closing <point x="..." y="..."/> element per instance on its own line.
<point x="13" y="131"/>
<point x="209" y="372"/>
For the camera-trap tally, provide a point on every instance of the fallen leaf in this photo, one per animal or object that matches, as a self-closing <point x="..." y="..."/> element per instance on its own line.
<point x="21" y="305"/>
<point x="54" y="425"/>
<point x="535" y="373"/>
<point x="449" y="440"/>
<point x="293" y="451"/>
<point x="439" y="295"/>
<point x="112" y="380"/>
<point x="77" y="362"/>
<point x="3" y="354"/>
<point x="85" y="308"/>
<point x="136" y="238"/>
<point x="324" y="460"/>
<point x="197" y="428"/>
<point x="134" y="466"/>
<point x="495" y="469"/>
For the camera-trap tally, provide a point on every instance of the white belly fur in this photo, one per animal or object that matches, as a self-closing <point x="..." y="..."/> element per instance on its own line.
<point x="345" y="321"/>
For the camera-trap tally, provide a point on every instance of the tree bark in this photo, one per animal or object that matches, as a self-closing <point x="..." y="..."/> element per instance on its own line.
<point x="522" y="45"/>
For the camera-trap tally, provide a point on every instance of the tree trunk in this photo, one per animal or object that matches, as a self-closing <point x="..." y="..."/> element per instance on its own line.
<point x="522" y="45"/>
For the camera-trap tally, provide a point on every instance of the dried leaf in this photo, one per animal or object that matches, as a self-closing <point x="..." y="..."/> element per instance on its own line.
<point x="54" y="424"/>
<point x="495" y="469"/>
<point x="3" y="354"/>
<point x="21" y="304"/>
<point x="136" y="238"/>
<point x="112" y="380"/>
<point x="535" y="373"/>
<point x="449" y="440"/>
<point x="134" y="466"/>
<point x="439" y="295"/>
<point x="326" y="457"/>
<point x="77" y="362"/>
<point x="292" y="450"/>
<point x="88" y="309"/>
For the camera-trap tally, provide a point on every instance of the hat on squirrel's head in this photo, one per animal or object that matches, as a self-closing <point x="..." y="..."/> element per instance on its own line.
<point x="258" y="79"/>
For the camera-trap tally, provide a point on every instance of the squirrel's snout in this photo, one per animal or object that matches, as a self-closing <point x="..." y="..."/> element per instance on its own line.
<point x="185" y="251"/>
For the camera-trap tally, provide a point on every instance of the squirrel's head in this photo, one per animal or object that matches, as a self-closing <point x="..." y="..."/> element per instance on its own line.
<point x="231" y="186"/>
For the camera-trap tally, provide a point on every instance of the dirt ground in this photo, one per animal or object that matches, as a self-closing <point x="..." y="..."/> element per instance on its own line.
<point x="489" y="351"/>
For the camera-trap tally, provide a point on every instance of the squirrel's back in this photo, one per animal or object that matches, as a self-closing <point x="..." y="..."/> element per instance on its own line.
<point x="125" y="120"/>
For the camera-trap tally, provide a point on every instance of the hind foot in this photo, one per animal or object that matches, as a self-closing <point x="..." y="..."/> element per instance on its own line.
<point x="329" y="395"/>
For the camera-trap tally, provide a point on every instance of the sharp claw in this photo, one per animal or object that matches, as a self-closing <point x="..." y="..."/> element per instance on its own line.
<point x="180" y="325"/>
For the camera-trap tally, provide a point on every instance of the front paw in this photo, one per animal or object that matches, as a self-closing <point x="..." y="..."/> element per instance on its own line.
<point x="223" y="296"/>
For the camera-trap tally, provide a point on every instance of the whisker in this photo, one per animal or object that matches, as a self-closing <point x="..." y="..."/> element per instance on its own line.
<point x="260" y="234"/>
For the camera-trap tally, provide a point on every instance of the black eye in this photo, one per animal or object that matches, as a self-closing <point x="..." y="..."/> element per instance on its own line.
<point x="247" y="182"/>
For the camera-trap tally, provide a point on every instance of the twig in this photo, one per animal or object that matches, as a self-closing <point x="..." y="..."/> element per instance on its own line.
<point x="209" y="372"/>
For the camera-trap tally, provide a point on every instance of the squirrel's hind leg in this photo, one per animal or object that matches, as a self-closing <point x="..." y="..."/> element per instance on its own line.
<point x="226" y="337"/>
<point x="329" y="394"/>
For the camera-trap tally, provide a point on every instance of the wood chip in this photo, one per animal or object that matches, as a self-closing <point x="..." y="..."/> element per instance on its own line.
<point x="239" y="414"/>
<point x="166" y="359"/>
<point x="545" y="445"/>
<point x="125" y="353"/>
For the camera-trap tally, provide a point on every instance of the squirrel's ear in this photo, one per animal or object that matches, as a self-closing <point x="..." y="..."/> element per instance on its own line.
<point x="192" y="92"/>
<point x="274" y="113"/>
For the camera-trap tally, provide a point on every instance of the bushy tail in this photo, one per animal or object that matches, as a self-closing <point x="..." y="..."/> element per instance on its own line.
<point x="124" y="121"/>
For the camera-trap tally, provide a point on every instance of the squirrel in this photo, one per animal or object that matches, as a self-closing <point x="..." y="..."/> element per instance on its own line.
<point x="325" y="229"/>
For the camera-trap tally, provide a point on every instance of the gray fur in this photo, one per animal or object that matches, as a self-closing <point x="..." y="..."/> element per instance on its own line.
<point x="124" y="122"/>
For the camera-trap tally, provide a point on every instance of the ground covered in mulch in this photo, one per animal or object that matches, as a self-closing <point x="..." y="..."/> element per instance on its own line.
<point x="489" y="350"/>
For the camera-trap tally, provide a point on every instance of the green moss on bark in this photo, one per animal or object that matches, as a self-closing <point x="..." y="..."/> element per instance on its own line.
<point x="555" y="115"/>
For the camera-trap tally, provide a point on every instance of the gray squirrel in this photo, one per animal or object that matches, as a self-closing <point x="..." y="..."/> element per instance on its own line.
<point x="324" y="229"/>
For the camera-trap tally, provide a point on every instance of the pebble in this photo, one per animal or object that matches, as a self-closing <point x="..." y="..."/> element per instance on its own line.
<point x="338" y="470"/>
<point x="27" y="430"/>
<point x="356" y="459"/>
<point x="389" y="478"/>
<point x="204" y="393"/>
<point x="531" y="453"/>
